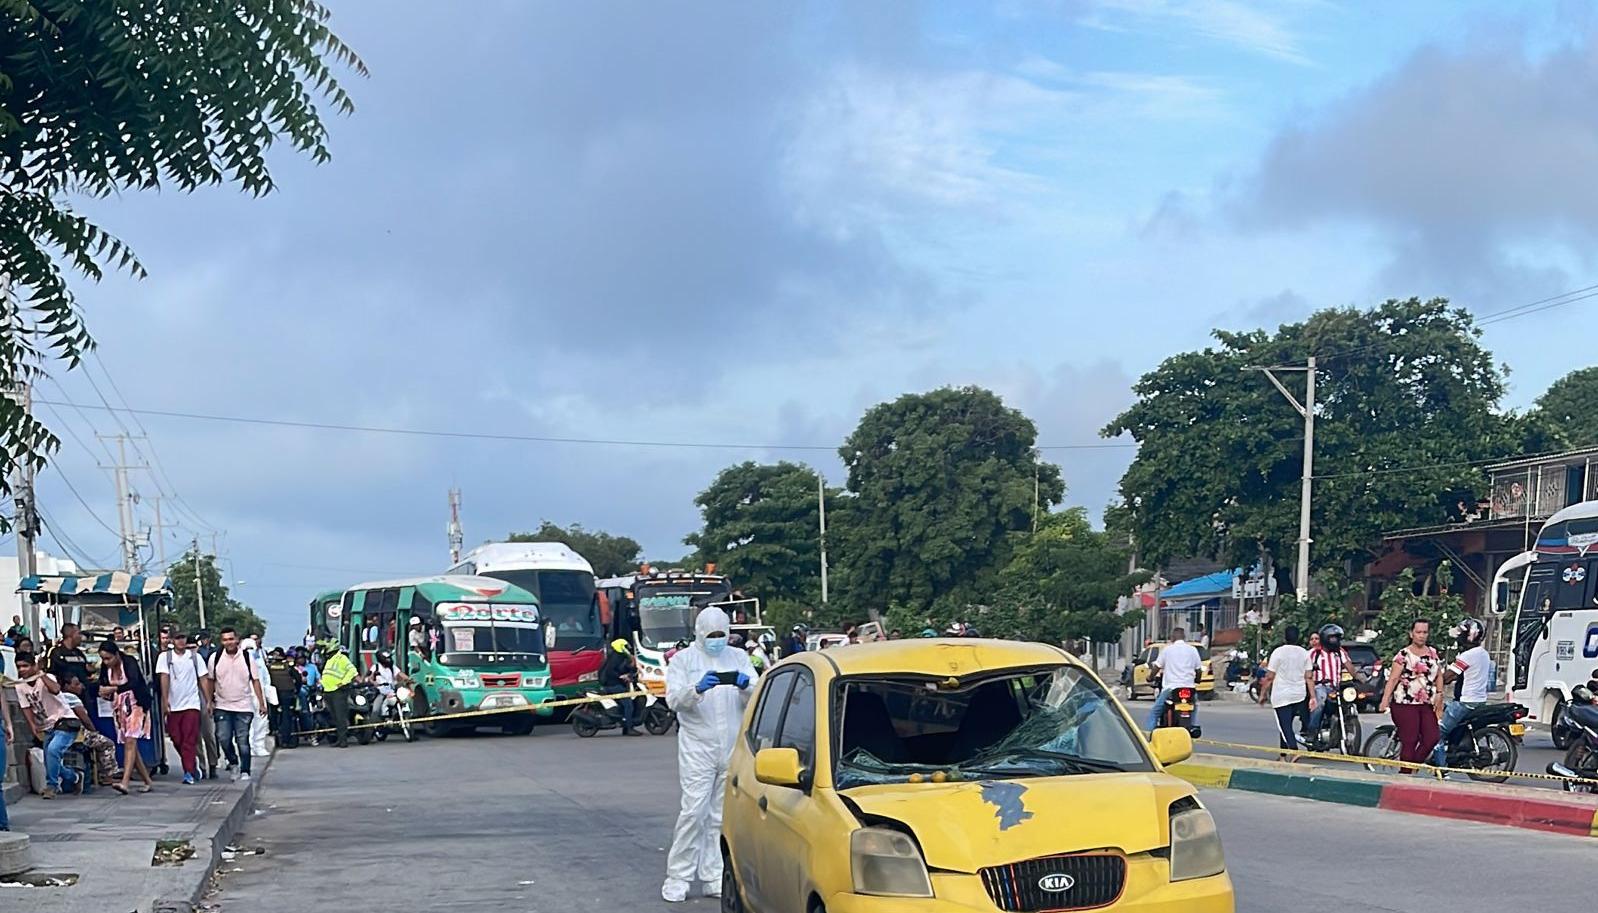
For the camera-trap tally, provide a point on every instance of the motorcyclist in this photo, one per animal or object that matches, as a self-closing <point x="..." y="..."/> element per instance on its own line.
<point x="1328" y="659"/>
<point x="709" y="714"/>
<point x="1470" y="668"/>
<point x="757" y="656"/>
<point x="386" y="676"/>
<point x="795" y="642"/>
<point x="617" y="674"/>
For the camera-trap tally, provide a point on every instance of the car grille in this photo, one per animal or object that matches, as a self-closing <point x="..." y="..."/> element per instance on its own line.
<point x="502" y="681"/>
<point x="1096" y="880"/>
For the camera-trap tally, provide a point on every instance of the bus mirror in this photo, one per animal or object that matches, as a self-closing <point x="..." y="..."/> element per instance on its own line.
<point x="1500" y="598"/>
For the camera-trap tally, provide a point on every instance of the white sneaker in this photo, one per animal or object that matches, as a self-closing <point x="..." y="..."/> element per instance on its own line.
<point x="713" y="888"/>
<point x="674" y="891"/>
<point x="244" y="778"/>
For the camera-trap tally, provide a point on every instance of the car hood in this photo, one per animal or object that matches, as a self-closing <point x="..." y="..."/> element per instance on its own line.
<point x="966" y="826"/>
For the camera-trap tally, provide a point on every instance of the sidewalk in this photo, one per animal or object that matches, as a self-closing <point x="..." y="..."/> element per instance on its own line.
<point x="1511" y="806"/>
<point x="109" y="841"/>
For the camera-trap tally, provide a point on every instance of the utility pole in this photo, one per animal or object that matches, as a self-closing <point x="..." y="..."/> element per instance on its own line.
<point x="160" y="533"/>
<point x="1307" y="410"/>
<point x="457" y="536"/>
<point x="27" y="517"/>
<point x="821" y="513"/>
<point x="125" y="501"/>
<point x="199" y="584"/>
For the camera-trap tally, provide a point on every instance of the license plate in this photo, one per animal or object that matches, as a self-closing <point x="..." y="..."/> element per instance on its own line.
<point x="505" y="700"/>
<point x="1184" y="706"/>
<point x="1517" y="729"/>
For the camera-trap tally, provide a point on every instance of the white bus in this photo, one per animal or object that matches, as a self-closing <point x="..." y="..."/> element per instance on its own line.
<point x="563" y="581"/>
<point x="1554" y="640"/>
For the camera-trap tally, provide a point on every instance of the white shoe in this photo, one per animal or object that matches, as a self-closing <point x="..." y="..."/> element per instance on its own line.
<point x="674" y="891"/>
<point x="244" y="778"/>
<point x="713" y="888"/>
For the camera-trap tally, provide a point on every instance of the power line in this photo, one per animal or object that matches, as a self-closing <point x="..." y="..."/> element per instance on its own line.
<point x="525" y="438"/>
<point x="74" y="489"/>
<point x="65" y="543"/>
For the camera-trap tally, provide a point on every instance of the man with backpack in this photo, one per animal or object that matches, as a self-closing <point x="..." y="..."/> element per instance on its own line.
<point x="237" y="698"/>
<point x="182" y="673"/>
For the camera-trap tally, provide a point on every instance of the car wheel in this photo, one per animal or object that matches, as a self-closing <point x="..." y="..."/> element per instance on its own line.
<point x="732" y="901"/>
<point x="1563" y="737"/>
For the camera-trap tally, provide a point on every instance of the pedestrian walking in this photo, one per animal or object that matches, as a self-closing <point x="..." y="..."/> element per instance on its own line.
<point x="182" y="673"/>
<point x="122" y="683"/>
<point x="1285" y="687"/>
<point x="236" y="698"/>
<point x="210" y="751"/>
<point x="1414" y="694"/>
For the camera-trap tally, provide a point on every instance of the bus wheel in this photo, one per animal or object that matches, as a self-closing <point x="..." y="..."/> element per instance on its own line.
<point x="521" y="726"/>
<point x="435" y="729"/>
<point x="1563" y="737"/>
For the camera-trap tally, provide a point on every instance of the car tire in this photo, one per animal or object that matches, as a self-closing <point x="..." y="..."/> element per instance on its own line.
<point x="732" y="899"/>
<point x="1563" y="738"/>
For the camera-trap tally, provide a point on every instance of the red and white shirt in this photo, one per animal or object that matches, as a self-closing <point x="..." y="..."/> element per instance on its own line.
<point x="1328" y="666"/>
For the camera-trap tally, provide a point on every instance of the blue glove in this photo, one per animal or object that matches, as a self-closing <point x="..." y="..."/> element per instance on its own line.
<point x="709" y="681"/>
<point x="743" y="681"/>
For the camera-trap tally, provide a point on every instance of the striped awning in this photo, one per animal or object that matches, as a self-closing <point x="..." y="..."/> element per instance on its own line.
<point x="116" y="583"/>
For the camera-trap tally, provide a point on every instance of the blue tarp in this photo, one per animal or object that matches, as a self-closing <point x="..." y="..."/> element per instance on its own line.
<point x="1216" y="584"/>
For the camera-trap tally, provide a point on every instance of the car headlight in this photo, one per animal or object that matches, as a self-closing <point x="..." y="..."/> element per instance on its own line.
<point x="467" y="679"/>
<point x="1195" y="846"/>
<point x="538" y="681"/>
<point x="887" y="862"/>
<point x="403" y="693"/>
<point x="1350" y="694"/>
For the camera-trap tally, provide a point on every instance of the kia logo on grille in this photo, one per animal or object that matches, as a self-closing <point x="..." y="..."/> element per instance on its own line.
<point x="1056" y="883"/>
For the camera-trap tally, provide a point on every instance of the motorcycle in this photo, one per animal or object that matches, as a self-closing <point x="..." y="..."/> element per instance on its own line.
<point x="1339" y="729"/>
<point x="398" y="716"/>
<point x="1178" y="710"/>
<point x="605" y="713"/>
<point x="1485" y="743"/>
<point x="1580" y="724"/>
<point x="363" y="705"/>
<point x="321" y="718"/>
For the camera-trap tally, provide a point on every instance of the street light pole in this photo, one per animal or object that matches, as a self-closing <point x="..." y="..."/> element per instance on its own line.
<point x="821" y="514"/>
<point x="1307" y="410"/>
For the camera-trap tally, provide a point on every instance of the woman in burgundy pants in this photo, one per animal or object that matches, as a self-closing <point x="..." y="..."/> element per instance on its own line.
<point x="1415" y="694"/>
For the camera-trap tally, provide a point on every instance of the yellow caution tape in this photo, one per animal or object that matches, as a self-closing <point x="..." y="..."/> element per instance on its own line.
<point x="497" y="711"/>
<point x="1387" y="762"/>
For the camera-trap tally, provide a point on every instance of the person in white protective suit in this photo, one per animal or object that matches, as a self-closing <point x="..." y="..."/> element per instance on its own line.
<point x="709" y="717"/>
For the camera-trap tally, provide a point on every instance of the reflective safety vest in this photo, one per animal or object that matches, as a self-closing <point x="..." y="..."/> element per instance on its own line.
<point x="339" y="672"/>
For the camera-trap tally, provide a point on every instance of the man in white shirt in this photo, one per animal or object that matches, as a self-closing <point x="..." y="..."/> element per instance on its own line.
<point x="180" y="670"/>
<point x="1286" y="688"/>
<point x="1179" y="665"/>
<point x="1471" y="667"/>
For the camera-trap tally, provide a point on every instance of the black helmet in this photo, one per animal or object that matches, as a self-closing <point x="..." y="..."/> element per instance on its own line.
<point x="1331" y="636"/>
<point x="1468" y="633"/>
<point x="385" y="658"/>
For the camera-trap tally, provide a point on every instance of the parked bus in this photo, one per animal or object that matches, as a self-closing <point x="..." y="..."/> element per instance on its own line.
<point x="575" y="628"/>
<point x="657" y="609"/>
<point x="326" y="616"/>
<point x="1554" y="644"/>
<point x="481" y="645"/>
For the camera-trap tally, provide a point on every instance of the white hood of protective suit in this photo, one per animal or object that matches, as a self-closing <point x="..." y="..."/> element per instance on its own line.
<point x="709" y="721"/>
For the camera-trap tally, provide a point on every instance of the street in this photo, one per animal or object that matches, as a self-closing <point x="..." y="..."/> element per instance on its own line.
<point x="551" y="823"/>
<point x="1245" y="723"/>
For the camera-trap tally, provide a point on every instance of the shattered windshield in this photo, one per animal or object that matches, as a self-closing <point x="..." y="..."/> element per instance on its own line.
<point x="1033" y="723"/>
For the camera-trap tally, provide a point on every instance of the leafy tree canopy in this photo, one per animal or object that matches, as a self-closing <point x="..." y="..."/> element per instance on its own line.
<point x="941" y="483"/>
<point x="1064" y="584"/>
<point x="1568" y="410"/>
<point x="761" y="528"/>
<point x="221" y="609"/>
<point x="1405" y="400"/>
<point x="611" y="556"/>
<point x="102" y="96"/>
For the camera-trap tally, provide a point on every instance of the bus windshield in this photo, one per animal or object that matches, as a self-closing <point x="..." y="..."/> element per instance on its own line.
<point x="666" y="611"/>
<point x="566" y="600"/>
<point x="487" y="643"/>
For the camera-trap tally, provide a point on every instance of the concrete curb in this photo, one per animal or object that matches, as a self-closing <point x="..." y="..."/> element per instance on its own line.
<point x="1507" y="806"/>
<point x="185" y="890"/>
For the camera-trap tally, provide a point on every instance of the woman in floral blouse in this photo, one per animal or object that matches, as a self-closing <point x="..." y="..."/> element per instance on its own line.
<point x="1415" y="694"/>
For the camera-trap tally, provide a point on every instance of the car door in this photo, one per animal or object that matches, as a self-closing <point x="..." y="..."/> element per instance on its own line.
<point x="788" y="813"/>
<point x="741" y="815"/>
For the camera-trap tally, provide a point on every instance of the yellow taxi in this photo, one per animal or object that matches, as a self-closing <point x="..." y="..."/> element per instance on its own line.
<point x="1141" y="686"/>
<point x="949" y="776"/>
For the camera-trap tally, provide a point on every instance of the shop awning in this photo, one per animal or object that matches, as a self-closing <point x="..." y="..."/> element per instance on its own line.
<point x="1206" y="587"/>
<point x="116" y="583"/>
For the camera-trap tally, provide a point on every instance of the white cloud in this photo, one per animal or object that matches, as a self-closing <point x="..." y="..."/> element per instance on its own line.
<point x="1246" y="25"/>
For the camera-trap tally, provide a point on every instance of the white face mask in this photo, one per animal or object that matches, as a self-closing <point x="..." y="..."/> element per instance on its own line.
<point x="714" y="645"/>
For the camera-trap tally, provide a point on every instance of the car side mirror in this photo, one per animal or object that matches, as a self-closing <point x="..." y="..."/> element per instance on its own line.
<point x="1172" y="745"/>
<point x="780" y="767"/>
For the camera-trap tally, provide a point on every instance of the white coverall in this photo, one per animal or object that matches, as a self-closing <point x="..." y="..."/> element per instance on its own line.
<point x="260" y="727"/>
<point x="708" y="727"/>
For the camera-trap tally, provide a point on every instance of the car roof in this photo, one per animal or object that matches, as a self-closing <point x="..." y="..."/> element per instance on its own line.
<point x="956" y="656"/>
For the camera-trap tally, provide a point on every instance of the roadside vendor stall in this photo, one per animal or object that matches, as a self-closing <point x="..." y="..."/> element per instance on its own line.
<point x="101" y="605"/>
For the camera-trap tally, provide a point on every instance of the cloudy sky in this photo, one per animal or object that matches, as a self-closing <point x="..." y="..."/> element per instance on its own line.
<point x="745" y="225"/>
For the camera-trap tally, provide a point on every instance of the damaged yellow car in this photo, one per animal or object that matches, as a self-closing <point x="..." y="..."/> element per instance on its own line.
<point x="958" y="775"/>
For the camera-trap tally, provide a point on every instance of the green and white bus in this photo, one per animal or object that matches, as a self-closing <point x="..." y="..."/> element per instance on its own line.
<point x="479" y="646"/>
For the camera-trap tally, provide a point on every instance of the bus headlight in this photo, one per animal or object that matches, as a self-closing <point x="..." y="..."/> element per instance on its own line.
<point x="538" y="681"/>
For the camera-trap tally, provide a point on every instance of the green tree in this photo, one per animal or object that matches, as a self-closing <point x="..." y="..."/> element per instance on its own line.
<point x="1406" y="399"/>
<point x="1568" y="410"/>
<point x="98" y="97"/>
<point x="221" y="609"/>
<point x="942" y="484"/>
<point x="611" y="556"/>
<point x="1401" y="605"/>
<point x="761" y="529"/>
<point x="1064" y="583"/>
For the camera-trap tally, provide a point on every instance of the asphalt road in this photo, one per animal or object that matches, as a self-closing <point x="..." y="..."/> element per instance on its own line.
<point x="551" y="822"/>
<point x="1246" y="723"/>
